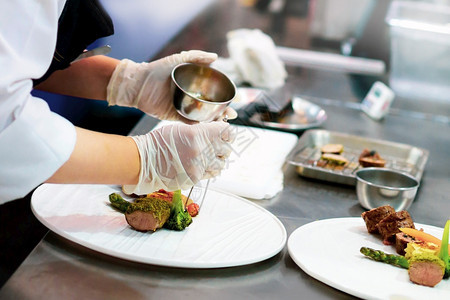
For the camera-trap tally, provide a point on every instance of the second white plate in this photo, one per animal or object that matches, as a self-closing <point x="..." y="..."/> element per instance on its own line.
<point x="229" y="231"/>
<point x="328" y="250"/>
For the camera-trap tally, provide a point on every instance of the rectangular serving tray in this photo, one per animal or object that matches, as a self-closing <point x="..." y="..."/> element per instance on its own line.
<point x="306" y="154"/>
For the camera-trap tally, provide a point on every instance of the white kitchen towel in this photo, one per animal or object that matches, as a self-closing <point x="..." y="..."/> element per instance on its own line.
<point x="254" y="168"/>
<point x="253" y="59"/>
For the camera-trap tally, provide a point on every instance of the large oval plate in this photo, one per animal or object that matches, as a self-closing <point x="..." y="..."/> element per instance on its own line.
<point x="229" y="230"/>
<point x="328" y="250"/>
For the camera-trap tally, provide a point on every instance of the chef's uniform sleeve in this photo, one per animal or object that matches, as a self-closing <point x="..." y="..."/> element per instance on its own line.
<point x="34" y="142"/>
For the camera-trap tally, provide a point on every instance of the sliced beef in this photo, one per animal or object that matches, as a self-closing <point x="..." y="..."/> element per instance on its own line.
<point x="401" y="241"/>
<point x="373" y="216"/>
<point x="390" y="225"/>
<point x="425" y="273"/>
<point x="149" y="215"/>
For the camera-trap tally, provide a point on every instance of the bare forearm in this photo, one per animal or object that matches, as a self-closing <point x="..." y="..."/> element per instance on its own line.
<point x="86" y="78"/>
<point x="100" y="158"/>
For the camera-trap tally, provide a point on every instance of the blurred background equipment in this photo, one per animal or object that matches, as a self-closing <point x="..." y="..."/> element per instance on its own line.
<point x="420" y="49"/>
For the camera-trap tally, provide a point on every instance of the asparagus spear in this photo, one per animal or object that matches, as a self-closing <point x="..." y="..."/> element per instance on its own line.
<point x="118" y="202"/>
<point x="392" y="259"/>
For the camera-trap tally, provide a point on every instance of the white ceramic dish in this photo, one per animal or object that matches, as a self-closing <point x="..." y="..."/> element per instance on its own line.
<point x="328" y="250"/>
<point x="229" y="231"/>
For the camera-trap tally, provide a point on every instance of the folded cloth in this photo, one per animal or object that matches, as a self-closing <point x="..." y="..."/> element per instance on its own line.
<point x="253" y="59"/>
<point x="255" y="55"/>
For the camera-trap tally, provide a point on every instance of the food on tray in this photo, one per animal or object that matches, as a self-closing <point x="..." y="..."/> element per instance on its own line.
<point x="371" y="158"/>
<point x="332" y="148"/>
<point x="425" y="256"/>
<point x="334" y="159"/>
<point x="374" y="216"/>
<point x="157" y="210"/>
<point x="331" y="156"/>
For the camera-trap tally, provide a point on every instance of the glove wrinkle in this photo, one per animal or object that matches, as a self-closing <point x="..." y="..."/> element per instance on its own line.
<point x="177" y="156"/>
<point x="147" y="86"/>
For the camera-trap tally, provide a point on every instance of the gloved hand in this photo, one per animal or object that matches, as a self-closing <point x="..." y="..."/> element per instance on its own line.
<point x="147" y="86"/>
<point x="177" y="156"/>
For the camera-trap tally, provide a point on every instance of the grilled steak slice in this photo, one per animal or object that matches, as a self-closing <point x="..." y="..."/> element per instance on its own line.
<point x="425" y="273"/>
<point x="371" y="159"/>
<point x="373" y="216"/>
<point x="390" y="225"/>
<point x="401" y="241"/>
<point x="149" y="215"/>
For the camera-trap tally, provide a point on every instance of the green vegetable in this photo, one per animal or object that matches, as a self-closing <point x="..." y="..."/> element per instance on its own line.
<point x="377" y="255"/>
<point x="118" y="202"/>
<point x="179" y="218"/>
<point x="443" y="253"/>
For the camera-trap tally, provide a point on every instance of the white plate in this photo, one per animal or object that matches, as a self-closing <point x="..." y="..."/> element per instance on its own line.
<point x="328" y="250"/>
<point x="229" y="231"/>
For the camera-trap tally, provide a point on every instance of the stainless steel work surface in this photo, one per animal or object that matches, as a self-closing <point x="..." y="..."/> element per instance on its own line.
<point x="60" y="269"/>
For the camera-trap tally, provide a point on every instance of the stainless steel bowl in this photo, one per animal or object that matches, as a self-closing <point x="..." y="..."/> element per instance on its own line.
<point x="201" y="93"/>
<point x="381" y="186"/>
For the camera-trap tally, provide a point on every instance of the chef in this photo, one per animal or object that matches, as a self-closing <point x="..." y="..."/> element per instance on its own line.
<point x="38" y="42"/>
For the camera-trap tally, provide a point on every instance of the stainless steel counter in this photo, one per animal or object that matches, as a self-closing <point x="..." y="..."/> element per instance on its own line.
<point x="58" y="268"/>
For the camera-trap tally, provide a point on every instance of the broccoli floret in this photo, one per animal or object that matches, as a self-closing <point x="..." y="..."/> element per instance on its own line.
<point x="179" y="218"/>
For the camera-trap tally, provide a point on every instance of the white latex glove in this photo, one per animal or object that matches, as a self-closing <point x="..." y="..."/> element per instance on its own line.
<point x="177" y="156"/>
<point x="147" y="86"/>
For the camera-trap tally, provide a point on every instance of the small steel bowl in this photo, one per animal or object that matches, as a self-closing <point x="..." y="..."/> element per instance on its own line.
<point x="381" y="186"/>
<point x="201" y="93"/>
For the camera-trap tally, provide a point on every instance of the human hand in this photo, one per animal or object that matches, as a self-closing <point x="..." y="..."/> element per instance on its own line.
<point x="147" y="86"/>
<point x="177" y="156"/>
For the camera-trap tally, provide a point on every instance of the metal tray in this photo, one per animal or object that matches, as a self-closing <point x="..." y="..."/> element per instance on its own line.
<point x="306" y="154"/>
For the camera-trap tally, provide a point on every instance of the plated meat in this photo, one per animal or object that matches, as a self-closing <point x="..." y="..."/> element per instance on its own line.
<point x="426" y="266"/>
<point x="401" y="241"/>
<point x="390" y="225"/>
<point x="148" y="216"/>
<point x="428" y="273"/>
<point x="374" y="216"/>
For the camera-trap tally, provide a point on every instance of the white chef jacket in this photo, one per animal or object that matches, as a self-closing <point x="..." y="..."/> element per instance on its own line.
<point x="34" y="142"/>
